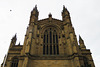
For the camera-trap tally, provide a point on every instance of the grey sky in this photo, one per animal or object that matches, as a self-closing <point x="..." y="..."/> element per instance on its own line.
<point x="84" y="15"/>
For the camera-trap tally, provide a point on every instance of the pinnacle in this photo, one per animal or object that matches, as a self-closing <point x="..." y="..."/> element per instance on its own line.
<point x="14" y="37"/>
<point x="80" y="38"/>
<point x="35" y="8"/>
<point x="64" y="8"/>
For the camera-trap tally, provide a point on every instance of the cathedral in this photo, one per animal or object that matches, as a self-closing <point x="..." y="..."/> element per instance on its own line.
<point x="49" y="42"/>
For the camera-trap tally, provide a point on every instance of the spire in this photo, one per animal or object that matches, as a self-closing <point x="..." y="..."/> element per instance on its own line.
<point x="82" y="45"/>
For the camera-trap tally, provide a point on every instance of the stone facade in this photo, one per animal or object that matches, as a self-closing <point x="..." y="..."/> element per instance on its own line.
<point x="49" y="43"/>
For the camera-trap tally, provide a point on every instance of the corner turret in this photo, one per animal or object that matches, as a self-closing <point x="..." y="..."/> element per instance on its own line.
<point x="81" y="42"/>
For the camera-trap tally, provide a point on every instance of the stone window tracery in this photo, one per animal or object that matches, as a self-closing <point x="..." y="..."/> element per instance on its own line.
<point x="50" y="42"/>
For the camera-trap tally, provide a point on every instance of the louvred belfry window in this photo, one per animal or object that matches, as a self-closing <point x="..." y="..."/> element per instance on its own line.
<point x="50" y="42"/>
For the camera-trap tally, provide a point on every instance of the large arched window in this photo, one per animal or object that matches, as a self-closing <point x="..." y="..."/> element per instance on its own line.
<point x="50" y="42"/>
<point x="14" y="62"/>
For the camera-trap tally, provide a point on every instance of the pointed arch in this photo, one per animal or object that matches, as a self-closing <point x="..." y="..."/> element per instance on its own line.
<point x="50" y="42"/>
<point x="56" y="27"/>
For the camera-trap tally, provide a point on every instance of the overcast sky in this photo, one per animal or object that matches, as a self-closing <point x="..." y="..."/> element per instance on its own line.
<point x="15" y="14"/>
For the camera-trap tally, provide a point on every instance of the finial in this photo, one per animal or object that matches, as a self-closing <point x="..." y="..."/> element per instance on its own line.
<point x="35" y="8"/>
<point x="14" y="37"/>
<point x="63" y="7"/>
<point x="50" y="15"/>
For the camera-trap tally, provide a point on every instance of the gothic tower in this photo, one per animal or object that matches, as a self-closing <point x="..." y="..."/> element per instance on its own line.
<point x="49" y="43"/>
